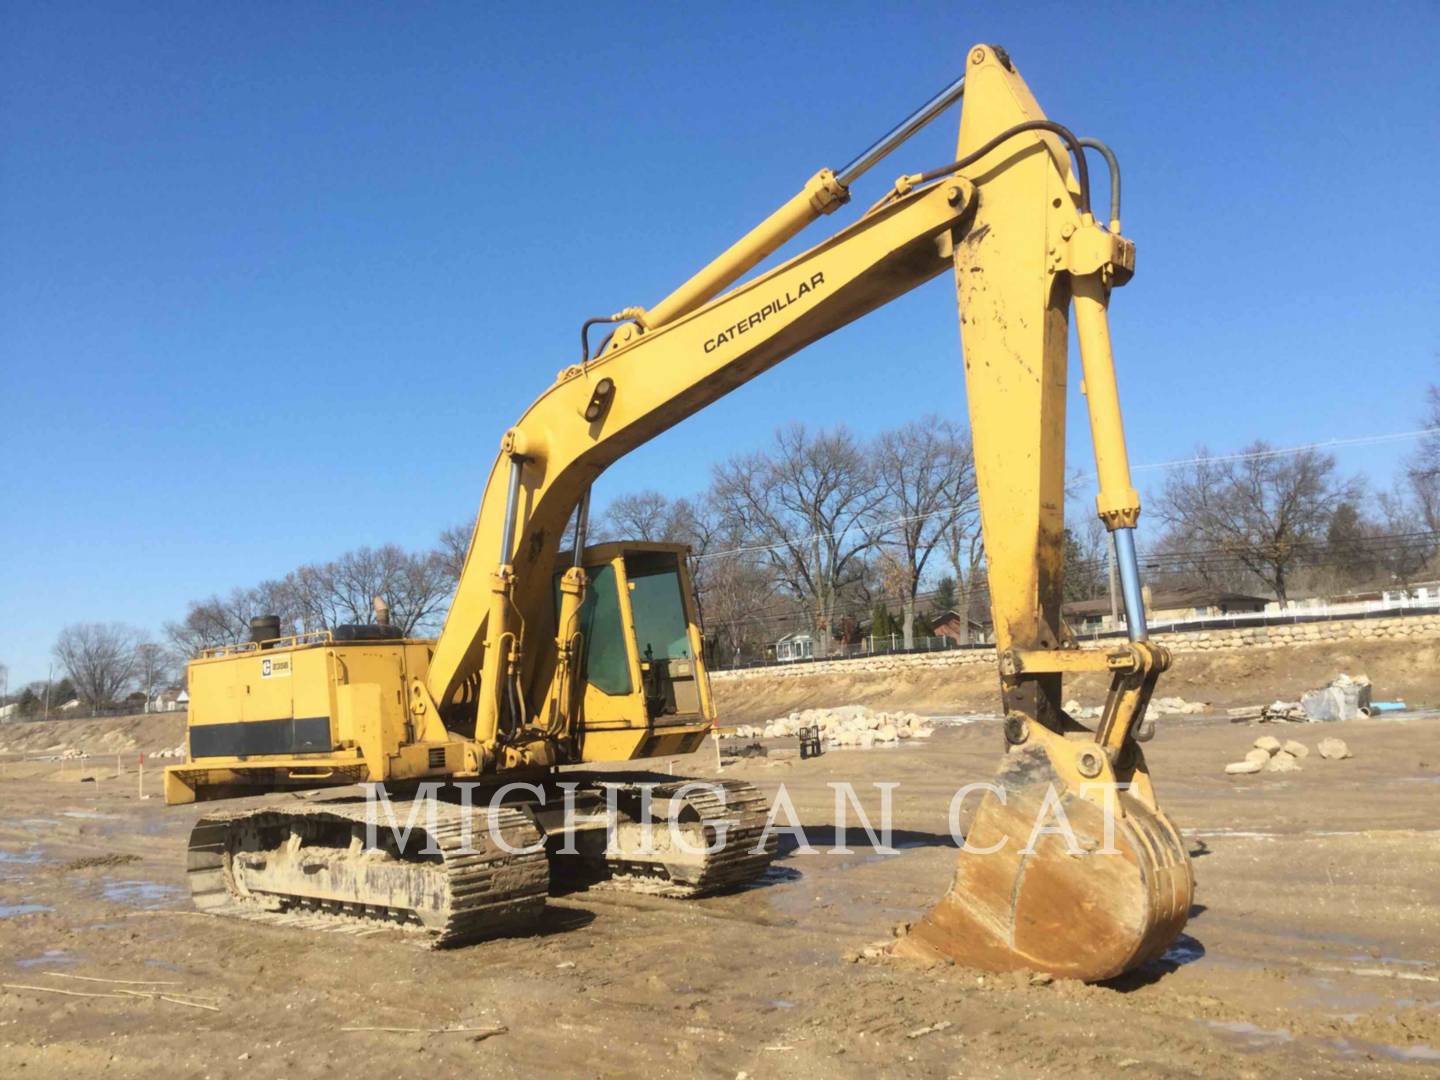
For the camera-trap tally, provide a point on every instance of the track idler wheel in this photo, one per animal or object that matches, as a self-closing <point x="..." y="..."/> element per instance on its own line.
<point x="1062" y="874"/>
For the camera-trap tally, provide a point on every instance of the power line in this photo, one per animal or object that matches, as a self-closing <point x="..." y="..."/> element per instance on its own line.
<point x="1285" y="451"/>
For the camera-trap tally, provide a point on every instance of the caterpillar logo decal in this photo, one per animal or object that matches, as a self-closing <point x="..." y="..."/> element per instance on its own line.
<point x="780" y="303"/>
<point x="275" y="667"/>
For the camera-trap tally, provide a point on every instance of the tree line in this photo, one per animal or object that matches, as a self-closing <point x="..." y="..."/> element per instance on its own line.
<point x="840" y="536"/>
<point x="1287" y="522"/>
<point x="822" y="531"/>
<point x="103" y="665"/>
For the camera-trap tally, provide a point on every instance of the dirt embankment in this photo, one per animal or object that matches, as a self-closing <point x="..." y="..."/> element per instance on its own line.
<point x="101" y="735"/>
<point x="1222" y="679"/>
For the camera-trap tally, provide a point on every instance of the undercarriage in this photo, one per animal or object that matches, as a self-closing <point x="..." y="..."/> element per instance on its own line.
<point x="461" y="871"/>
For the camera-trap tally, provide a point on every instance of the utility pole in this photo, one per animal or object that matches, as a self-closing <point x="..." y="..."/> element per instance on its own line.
<point x="49" y="674"/>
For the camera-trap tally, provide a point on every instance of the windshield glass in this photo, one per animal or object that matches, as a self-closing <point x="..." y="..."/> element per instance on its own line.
<point x="661" y="629"/>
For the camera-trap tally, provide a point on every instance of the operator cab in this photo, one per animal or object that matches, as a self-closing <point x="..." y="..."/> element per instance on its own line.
<point x="641" y="662"/>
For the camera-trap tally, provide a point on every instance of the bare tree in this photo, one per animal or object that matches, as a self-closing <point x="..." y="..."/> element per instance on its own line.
<point x="1086" y="568"/>
<point x="1263" y="509"/>
<point x="965" y="555"/>
<point x="925" y="472"/>
<point x="737" y="591"/>
<point x="1422" y="471"/>
<point x="639" y="515"/>
<point x="454" y="546"/>
<point x="206" y="625"/>
<point x="225" y="620"/>
<point x="152" y="668"/>
<point x="805" y="507"/>
<point x="343" y="590"/>
<point x="1408" y="547"/>
<point x="99" y="659"/>
<point x="964" y="544"/>
<point x="653" y="517"/>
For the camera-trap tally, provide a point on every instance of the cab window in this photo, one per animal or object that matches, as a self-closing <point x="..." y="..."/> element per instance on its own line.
<point x="662" y="631"/>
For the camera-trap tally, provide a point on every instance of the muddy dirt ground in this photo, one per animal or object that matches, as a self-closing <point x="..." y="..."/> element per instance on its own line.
<point x="1313" y="948"/>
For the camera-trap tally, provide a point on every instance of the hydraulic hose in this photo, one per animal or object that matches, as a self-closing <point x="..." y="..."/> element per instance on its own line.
<point x="1113" y="164"/>
<point x="1082" y="170"/>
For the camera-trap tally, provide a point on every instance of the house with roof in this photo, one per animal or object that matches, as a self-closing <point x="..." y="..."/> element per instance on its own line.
<point x="965" y="630"/>
<point x="171" y="699"/>
<point x="799" y="645"/>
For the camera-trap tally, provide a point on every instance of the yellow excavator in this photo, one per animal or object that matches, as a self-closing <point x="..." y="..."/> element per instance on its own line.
<point x="554" y="657"/>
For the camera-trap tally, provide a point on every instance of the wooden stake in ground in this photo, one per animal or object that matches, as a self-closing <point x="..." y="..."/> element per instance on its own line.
<point x="118" y="992"/>
<point x="57" y="990"/>
<point x="140" y="776"/>
<point x="98" y="979"/>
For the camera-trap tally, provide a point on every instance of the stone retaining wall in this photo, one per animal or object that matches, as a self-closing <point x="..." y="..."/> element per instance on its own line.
<point x="1407" y="628"/>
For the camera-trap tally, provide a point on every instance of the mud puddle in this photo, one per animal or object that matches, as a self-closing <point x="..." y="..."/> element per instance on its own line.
<point x="9" y="911"/>
<point x="1252" y="1038"/>
<point x="13" y="864"/>
<point x="49" y="958"/>
<point x="141" y="894"/>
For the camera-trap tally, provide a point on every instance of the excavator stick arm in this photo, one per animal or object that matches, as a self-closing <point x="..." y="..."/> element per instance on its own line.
<point x="1069" y="865"/>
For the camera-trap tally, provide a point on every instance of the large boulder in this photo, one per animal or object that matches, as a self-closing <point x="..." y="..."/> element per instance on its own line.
<point x="1283" y="762"/>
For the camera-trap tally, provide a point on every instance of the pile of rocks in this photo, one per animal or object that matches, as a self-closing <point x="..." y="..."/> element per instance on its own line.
<point x="1164" y="706"/>
<point x="107" y="749"/>
<point x="846" y="725"/>
<point x="1269" y="754"/>
<point x="1345" y="698"/>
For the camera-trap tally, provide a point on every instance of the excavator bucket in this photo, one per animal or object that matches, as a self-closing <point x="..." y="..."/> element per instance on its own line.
<point x="1080" y="881"/>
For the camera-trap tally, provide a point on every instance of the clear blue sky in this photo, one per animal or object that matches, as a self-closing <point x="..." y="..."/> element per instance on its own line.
<point x="275" y="277"/>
